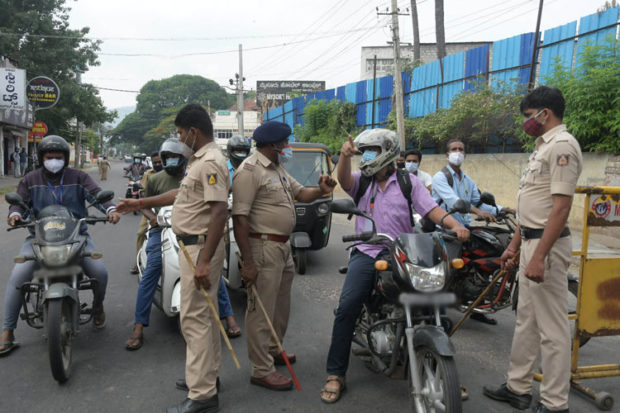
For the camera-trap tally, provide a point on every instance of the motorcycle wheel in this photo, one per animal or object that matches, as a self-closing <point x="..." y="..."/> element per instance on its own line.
<point x="300" y="257"/>
<point x="59" y="338"/>
<point x="440" y="383"/>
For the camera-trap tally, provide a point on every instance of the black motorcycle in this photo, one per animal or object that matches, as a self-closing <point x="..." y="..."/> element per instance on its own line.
<point x="134" y="188"/>
<point x="400" y="331"/>
<point x="52" y="299"/>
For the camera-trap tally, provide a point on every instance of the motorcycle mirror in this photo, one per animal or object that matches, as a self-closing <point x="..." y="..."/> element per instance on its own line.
<point x="460" y="206"/>
<point x="104" y="196"/>
<point x="344" y="206"/>
<point x="335" y="159"/>
<point x="14" y="198"/>
<point x="487" y="198"/>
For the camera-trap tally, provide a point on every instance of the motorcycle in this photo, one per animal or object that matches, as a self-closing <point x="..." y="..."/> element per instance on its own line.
<point x="231" y="270"/>
<point x="134" y="188"/>
<point x="52" y="299"/>
<point x="400" y="331"/>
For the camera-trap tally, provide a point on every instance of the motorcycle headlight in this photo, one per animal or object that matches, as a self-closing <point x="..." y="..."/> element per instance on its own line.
<point x="55" y="255"/>
<point x="323" y="209"/>
<point x="165" y="219"/>
<point x="427" y="279"/>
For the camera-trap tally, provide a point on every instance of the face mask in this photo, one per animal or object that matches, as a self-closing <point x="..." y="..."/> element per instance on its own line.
<point x="187" y="136"/>
<point x="137" y="161"/>
<point x="158" y="168"/>
<point x="172" y="161"/>
<point x="368" y="156"/>
<point x="411" y="167"/>
<point x="456" y="158"/>
<point x="285" y="154"/>
<point x="400" y="165"/>
<point x="532" y="126"/>
<point x="240" y="154"/>
<point x="54" y="165"/>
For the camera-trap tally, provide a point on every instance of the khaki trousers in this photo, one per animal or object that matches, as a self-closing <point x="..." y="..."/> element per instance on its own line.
<point x="141" y="234"/>
<point x="542" y="326"/>
<point x="104" y="173"/>
<point x="275" y="278"/>
<point x="200" y="329"/>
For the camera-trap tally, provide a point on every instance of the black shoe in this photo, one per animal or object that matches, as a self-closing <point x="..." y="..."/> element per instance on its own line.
<point x="503" y="394"/>
<point x="540" y="408"/>
<point x="196" y="406"/>
<point x="483" y="318"/>
<point x="181" y="384"/>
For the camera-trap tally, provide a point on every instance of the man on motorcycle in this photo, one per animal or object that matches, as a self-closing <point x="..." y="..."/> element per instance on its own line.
<point x="384" y="201"/>
<point x="173" y="155"/>
<point x="138" y="167"/>
<point x="53" y="183"/>
<point x="238" y="148"/>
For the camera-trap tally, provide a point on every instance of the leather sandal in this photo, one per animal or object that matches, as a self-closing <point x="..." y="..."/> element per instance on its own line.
<point x="134" y="343"/>
<point x="337" y="391"/>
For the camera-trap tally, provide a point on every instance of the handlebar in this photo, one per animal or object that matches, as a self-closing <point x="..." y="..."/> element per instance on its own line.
<point x="18" y="226"/>
<point x="94" y="220"/>
<point x="364" y="236"/>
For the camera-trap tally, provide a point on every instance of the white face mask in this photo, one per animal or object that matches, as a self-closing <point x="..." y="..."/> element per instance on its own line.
<point x="54" y="165"/>
<point x="411" y="167"/>
<point x="456" y="158"/>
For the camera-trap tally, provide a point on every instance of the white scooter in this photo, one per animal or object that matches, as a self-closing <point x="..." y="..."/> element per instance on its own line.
<point x="231" y="271"/>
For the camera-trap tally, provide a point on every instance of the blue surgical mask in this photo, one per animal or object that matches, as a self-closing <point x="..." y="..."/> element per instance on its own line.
<point x="368" y="156"/>
<point x="172" y="161"/>
<point x="285" y="154"/>
<point x="411" y="167"/>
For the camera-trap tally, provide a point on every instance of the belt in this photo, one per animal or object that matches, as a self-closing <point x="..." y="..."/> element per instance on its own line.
<point x="192" y="239"/>
<point x="270" y="237"/>
<point x="536" y="233"/>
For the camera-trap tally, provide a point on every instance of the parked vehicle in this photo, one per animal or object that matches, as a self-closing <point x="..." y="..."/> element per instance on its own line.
<point x="400" y="331"/>
<point x="231" y="271"/>
<point x="310" y="161"/>
<point x="134" y="188"/>
<point x="52" y="300"/>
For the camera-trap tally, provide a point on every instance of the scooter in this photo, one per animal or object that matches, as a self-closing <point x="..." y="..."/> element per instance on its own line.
<point x="52" y="299"/>
<point x="134" y="188"/>
<point x="400" y="331"/>
<point x="231" y="271"/>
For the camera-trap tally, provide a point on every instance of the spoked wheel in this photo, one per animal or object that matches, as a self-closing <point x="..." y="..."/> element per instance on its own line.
<point x="300" y="257"/>
<point x="441" y="390"/>
<point x="59" y="338"/>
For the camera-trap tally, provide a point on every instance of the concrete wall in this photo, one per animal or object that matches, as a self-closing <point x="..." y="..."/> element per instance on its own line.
<point x="500" y="174"/>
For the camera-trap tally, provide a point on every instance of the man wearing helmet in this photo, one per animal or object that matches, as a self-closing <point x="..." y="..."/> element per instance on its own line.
<point x="138" y="166"/>
<point x="384" y="200"/>
<point x="238" y="148"/>
<point x="53" y="183"/>
<point x="174" y="156"/>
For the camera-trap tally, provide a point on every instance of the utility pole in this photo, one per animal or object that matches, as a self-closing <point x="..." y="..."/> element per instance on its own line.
<point x="238" y="83"/>
<point x="374" y="88"/>
<point x="531" y="82"/>
<point x="78" y="138"/>
<point x="398" y="86"/>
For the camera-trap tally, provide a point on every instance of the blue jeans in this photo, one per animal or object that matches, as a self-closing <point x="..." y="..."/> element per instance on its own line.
<point x="223" y="300"/>
<point x="357" y="287"/>
<point x="150" y="278"/>
<point x="22" y="273"/>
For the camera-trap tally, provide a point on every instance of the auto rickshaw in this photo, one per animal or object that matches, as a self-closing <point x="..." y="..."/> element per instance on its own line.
<point x="310" y="160"/>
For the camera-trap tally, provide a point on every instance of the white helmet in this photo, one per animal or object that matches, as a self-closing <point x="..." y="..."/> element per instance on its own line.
<point x="382" y="138"/>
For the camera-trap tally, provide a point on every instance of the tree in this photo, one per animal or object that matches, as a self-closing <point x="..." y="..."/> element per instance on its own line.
<point x="328" y="123"/>
<point x="160" y="100"/>
<point x="35" y="36"/>
<point x="592" y="100"/>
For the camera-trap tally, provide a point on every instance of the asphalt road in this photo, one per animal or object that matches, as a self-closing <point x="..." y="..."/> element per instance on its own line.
<point x="107" y="378"/>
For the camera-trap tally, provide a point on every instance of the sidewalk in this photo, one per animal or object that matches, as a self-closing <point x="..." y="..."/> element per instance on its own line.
<point x="8" y="183"/>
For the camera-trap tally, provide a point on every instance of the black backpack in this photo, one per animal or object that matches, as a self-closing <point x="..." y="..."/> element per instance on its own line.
<point x="404" y="181"/>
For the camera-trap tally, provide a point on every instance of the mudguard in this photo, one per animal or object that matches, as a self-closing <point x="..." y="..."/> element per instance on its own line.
<point x="300" y="240"/>
<point x="434" y="338"/>
<point x="60" y="290"/>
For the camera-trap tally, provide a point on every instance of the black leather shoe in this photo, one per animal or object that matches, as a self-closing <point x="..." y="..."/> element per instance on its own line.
<point x="503" y="394"/>
<point x="483" y="318"/>
<point x="196" y="406"/>
<point x="181" y="384"/>
<point x="540" y="408"/>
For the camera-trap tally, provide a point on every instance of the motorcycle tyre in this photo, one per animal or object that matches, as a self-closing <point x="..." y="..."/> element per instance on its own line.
<point x="59" y="338"/>
<point x="446" y="366"/>
<point x="300" y="256"/>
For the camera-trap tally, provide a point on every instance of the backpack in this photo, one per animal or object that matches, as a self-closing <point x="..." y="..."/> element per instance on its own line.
<point x="404" y="182"/>
<point x="450" y="180"/>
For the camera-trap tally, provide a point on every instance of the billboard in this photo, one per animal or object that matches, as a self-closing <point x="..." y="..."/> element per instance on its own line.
<point x="273" y="93"/>
<point x="12" y="88"/>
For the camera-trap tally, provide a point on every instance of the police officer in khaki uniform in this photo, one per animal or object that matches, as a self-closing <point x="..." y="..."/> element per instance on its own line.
<point x="198" y="219"/>
<point x="264" y="217"/>
<point x="543" y="206"/>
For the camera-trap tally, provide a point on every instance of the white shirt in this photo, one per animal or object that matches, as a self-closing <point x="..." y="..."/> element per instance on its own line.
<point x="426" y="179"/>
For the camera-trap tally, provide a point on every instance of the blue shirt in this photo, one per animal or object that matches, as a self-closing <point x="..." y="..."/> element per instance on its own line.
<point x="463" y="188"/>
<point x="231" y="171"/>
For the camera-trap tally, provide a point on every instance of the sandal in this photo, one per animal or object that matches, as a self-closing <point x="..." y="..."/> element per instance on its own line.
<point x="337" y="391"/>
<point x="134" y="343"/>
<point x="8" y="347"/>
<point x="464" y="394"/>
<point x="233" y="331"/>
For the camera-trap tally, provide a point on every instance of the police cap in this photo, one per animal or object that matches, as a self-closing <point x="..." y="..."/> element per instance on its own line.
<point x="271" y="132"/>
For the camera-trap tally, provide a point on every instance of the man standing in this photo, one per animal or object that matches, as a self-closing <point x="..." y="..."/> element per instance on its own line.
<point x="23" y="161"/>
<point x="104" y="165"/>
<point x="413" y="158"/>
<point x="198" y="219"/>
<point x="16" y="162"/>
<point x="543" y="205"/>
<point x="264" y="217"/>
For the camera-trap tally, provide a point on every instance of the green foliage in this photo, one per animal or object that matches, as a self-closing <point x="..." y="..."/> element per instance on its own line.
<point x="592" y="100"/>
<point x="474" y="117"/>
<point x="158" y="103"/>
<point x="328" y="123"/>
<point x="35" y="36"/>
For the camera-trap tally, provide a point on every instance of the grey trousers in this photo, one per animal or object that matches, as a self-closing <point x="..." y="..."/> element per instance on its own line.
<point x="23" y="273"/>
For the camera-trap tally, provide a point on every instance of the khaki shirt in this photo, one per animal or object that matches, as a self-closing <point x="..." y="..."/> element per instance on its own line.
<point x="554" y="168"/>
<point x="206" y="180"/>
<point x="265" y="193"/>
